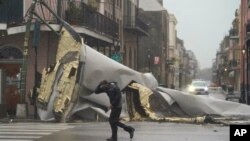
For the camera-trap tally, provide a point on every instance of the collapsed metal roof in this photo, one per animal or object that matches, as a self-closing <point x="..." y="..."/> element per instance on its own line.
<point x="67" y="90"/>
<point x="67" y="86"/>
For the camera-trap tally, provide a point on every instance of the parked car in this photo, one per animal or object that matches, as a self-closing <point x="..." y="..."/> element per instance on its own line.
<point x="198" y="87"/>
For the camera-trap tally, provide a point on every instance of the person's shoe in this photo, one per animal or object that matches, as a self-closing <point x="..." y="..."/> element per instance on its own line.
<point x="131" y="132"/>
<point x="111" y="139"/>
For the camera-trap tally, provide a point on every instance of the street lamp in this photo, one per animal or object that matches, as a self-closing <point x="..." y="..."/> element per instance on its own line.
<point x="243" y="96"/>
<point x="116" y="46"/>
<point x="243" y="51"/>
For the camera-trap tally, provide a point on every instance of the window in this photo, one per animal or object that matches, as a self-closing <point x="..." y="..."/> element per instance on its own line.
<point x="105" y="13"/>
<point x="10" y="53"/>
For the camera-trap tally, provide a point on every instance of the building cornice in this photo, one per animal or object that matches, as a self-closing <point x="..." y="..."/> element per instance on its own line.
<point x="55" y="27"/>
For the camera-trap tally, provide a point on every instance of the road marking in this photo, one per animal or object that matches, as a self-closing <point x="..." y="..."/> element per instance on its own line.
<point x="14" y="140"/>
<point x="20" y="137"/>
<point x="29" y="131"/>
<point x="25" y="133"/>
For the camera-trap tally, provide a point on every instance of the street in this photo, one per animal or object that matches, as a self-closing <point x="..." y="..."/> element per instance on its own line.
<point x="218" y="95"/>
<point x="99" y="131"/>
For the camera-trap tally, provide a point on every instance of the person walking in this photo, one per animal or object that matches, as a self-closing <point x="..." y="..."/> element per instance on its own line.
<point x="115" y="98"/>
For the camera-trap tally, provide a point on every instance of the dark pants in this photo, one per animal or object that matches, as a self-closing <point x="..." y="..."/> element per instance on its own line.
<point x="114" y="122"/>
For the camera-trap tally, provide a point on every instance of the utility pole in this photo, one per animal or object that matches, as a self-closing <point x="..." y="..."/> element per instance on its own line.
<point x="114" y="28"/>
<point x="35" y="44"/>
<point x="22" y="107"/>
<point x="59" y="8"/>
<point x="247" y="75"/>
<point x="137" y="37"/>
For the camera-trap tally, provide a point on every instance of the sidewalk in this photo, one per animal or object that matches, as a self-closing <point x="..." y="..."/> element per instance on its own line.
<point x="15" y="120"/>
<point x="235" y="97"/>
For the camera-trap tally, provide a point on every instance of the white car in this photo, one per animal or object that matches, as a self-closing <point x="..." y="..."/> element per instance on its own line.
<point x="198" y="87"/>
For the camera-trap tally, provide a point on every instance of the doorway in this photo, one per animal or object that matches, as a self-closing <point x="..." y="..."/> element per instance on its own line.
<point x="10" y="63"/>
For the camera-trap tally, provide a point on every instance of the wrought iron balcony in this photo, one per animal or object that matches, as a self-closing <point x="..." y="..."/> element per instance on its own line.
<point x="248" y="27"/>
<point x="133" y="23"/>
<point x="80" y="14"/>
<point x="233" y="32"/>
<point x="233" y="64"/>
<point x="11" y="11"/>
<point x="248" y="33"/>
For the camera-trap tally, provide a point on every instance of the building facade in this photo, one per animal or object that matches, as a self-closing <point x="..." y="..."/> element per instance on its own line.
<point x="134" y="28"/>
<point x="99" y="31"/>
<point x="141" y="34"/>
<point x="244" y="46"/>
<point x="154" y="47"/>
<point x="172" y="50"/>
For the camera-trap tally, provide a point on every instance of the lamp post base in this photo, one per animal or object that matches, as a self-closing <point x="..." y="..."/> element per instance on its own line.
<point x="21" y="111"/>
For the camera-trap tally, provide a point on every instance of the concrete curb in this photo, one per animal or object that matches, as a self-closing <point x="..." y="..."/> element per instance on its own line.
<point x="17" y="120"/>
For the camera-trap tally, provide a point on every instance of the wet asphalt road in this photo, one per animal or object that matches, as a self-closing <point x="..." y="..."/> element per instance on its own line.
<point x="145" y="131"/>
<point x="218" y="95"/>
<point x="100" y="131"/>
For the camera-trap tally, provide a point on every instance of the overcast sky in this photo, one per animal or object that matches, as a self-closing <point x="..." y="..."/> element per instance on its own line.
<point x="202" y="24"/>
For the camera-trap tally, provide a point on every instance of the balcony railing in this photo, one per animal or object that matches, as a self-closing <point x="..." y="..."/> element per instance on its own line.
<point x="76" y="13"/>
<point x="11" y="11"/>
<point x="248" y="27"/>
<point x="131" y="22"/>
<point x="79" y="13"/>
<point x="234" y="64"/>
<point x="233" y="32"/>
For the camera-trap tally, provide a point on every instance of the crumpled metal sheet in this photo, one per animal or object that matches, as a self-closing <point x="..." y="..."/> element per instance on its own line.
<point x="61" y="78"/>
<point x="68" y="85"/>
<point x="81" y="66"/>
<point x="144" y="98"/>
<point x="99" y="67"/>
<point x="206" y="105"/>
<point x="144" y="94"/>
<point x="45" y="91"/>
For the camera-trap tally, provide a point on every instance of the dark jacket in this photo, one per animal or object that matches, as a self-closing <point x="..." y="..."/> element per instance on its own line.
<point x="113" y="92"/>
